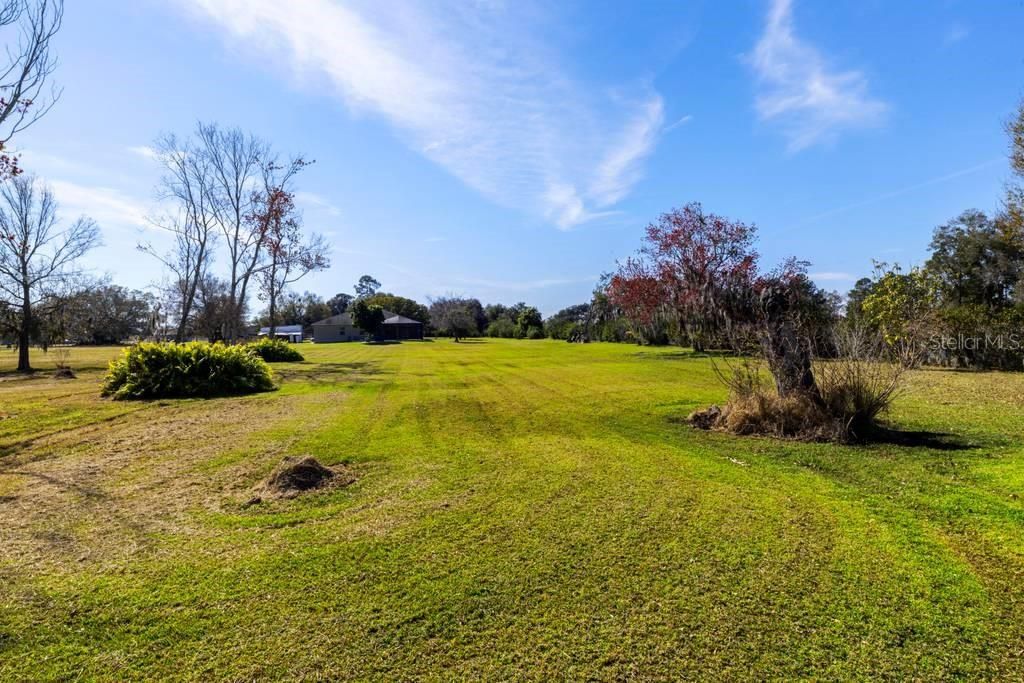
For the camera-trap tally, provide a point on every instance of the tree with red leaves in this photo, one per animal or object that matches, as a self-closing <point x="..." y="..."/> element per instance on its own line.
<point x="690" y="262"/>
<point x="700" y="271"/>
<point x="287" y="257"/>
<point x="640" y="297"/>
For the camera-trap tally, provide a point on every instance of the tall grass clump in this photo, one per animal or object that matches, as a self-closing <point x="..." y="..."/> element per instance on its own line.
<point x="853" y="392"/>
<point x="192" y="370"/>
<point x="275" y="351"/>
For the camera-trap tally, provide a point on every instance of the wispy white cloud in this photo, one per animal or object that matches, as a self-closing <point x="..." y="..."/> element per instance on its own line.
<point x="470" y="87"/>
<point x="524" y="285"/>
<point x="312" y="200"/>
<point x="110" y="208"/>
<point x="831" y="276"/>
<point x="797" y="87"/>
<point x="901" y="191"/>
<point x="144" y="151"/>
<point x="620" y="168"/>
<point x="681" y="121"/>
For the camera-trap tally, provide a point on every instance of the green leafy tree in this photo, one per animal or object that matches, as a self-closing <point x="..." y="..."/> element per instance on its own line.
<point x="400" y="306"/>
<point x="339" y="303"/>
<point x="528" y="323"/>
<point x="367" y="317"/>
<point x="976" y="261"/>
<point x="108" y="314"/>
<point x="568" y="322"/>
<point x="298" y="309"/>
<point x="855" y="299"/>
<point x="495" y="312"/>
<point x="902" y="307"/>
<point x="367" y="286"/>
<point x="1012" y="217"/>
<point x="501" y="328"/>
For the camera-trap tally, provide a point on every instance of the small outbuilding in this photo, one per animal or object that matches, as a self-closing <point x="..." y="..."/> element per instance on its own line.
<point x="289" y="333"/>
<point x="398" y="327"/>
<point x="339" y="328"/>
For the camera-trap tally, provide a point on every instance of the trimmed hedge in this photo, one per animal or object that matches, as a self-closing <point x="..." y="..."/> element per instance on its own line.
<point x="275" y="351"/>
<point x="195" y="369"/>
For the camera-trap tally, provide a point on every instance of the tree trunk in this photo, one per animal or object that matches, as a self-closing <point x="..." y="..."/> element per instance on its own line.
<point x="186" y="309"/>
<point x="272" y="308"/>
<point x="789" y="359"/>
<point x="24" y="336"/>
<point x="189" y="299"/>
<point x="272" y="303"/>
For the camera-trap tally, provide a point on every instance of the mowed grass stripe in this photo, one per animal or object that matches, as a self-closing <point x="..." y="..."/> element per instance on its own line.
<point x="534" y="510"/>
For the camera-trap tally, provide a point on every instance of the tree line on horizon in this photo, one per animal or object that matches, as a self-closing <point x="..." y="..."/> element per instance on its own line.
<point x="227" y="202"/>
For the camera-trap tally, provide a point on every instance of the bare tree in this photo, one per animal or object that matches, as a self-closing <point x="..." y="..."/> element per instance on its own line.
<point x="214" y="312"/>
<point x="24" y="98"/>
<point x="219" y="182"/>
<point x="288" y="258"/>
<point x="187" y="183"/>
<point x="238" y="164"/>
<point x="37" y="260"/>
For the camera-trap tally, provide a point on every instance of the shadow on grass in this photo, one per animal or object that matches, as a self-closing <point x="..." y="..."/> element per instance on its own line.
<point x="879" y="435"/>
<point x="10" y="375"/>
<point x="677" y="354"/>
<point x="330" y="373"/>
<point x="939" y="441"/>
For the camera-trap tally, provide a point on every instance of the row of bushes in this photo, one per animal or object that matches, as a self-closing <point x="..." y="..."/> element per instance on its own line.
<point x="195" y="369"/>
<point x="506" y="329"/>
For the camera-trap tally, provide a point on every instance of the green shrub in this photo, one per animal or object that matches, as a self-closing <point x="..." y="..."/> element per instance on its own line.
<point x="275" y="351"/>
<point x="195" y="369"/>
<point x="502" y="327"/>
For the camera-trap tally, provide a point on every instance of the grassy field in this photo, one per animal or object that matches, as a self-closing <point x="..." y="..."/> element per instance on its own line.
<point x="524" y="510"/>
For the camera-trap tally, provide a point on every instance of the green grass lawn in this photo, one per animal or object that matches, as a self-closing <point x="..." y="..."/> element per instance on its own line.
<point x="524" y="510"/>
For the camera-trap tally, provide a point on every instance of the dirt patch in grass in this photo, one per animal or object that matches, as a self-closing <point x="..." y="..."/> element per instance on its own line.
<point x="108" y="488"/>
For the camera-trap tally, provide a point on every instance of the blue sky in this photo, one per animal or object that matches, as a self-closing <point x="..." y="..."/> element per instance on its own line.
<point x="513" y="150"/>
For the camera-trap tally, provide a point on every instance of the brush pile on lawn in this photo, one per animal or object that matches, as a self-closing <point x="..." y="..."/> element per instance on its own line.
<point x="193" y="370"/>
<point x="844" y="403"/>
<point x="295" y="476"/>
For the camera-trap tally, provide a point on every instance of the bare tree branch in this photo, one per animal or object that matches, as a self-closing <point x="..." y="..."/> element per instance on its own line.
<point x="37" y="259"/>
<point x="24" y="98"/>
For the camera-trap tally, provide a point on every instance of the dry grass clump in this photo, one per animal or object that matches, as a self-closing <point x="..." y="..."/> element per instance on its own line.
<point x="853" y="392"/>
<point x="764" y="413"/>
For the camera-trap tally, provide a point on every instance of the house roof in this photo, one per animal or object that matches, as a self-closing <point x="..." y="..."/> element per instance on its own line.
<point x="346" y="319"/>
<point x="340" y="319"/>
<point x="283" y="329"/>
<point x="401" y="320"/>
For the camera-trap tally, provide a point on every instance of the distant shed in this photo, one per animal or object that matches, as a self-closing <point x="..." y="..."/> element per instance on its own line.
<point x="398" y="327"/>
<point x="291" y="333"/>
